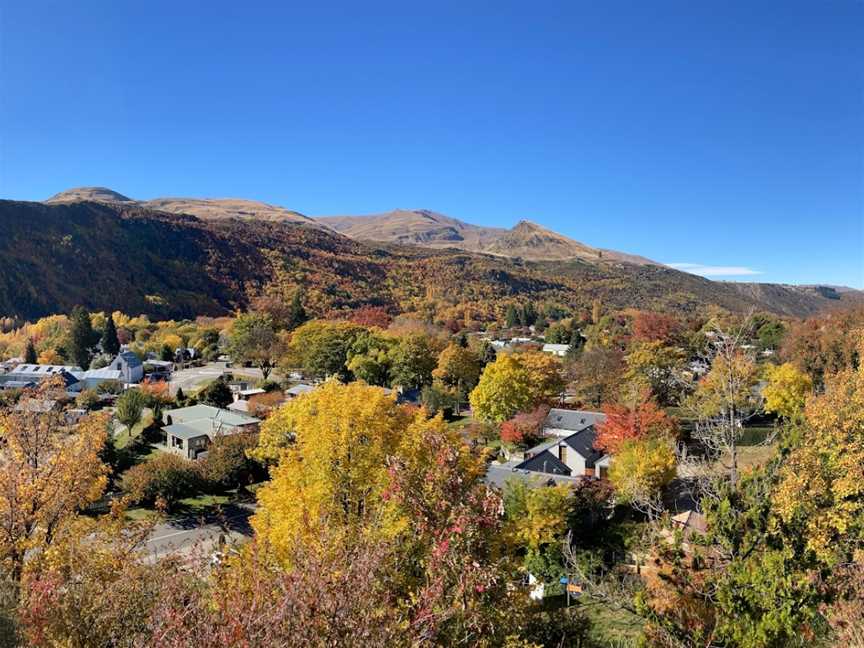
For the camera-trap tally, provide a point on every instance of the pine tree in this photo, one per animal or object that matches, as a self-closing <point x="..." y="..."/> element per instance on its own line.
<point x="296" y="313"/>
<point x="511" y="317"/>
<point x="30" y="352"/>
<point x="80" y="337"/>
<point x="110" y="342"/>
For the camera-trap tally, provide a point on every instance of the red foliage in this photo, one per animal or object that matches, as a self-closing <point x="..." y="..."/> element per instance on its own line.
<point x="625" y="422"/>
<point x="371" y="316"/>
<point x="655" y="327"/>
<point x="525" y="427"/>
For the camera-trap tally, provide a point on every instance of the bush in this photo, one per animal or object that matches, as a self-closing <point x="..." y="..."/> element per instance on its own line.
<point x="110" y="387"/>
<point x="163" y="477"/>
<point x="227" y="465"/>
<point x="217" y="394"/>
<point x="87" y="400"/>
<point x="437" y="399"/>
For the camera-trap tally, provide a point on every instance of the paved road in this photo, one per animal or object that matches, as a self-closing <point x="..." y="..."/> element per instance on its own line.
<point x="194" y="377"/>
<point x="193" y="534"/>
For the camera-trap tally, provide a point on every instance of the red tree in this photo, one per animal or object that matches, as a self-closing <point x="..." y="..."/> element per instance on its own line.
<point x="640" y="421"/>
<point x="525" y="427"/>
<point x="655" y="327"/>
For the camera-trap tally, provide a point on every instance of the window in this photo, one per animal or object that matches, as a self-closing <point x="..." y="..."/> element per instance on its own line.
<point x="562" y="453"/>
<point x="604" y="472"/>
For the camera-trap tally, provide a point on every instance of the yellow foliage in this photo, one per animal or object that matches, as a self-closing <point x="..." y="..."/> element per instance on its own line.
<point x="786" y="391"/>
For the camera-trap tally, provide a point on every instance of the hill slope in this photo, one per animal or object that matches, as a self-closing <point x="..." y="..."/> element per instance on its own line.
<point x="526" y="240"/>
<point x="117" y="255"/>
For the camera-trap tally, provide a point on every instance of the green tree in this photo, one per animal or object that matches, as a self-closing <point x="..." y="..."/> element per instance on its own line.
<point x="296" y="312"/>
<point x="30" y="352"/>
<point x="110" y="343"/>
<point x="217" y="394"/>
<point x="511" y="316"/>
<point x="253" y="339"/>
<point x="130" y="408"/>
<point x="81" y="337"/>
<point x="321" y="348"/>
<point x="414" y="358"/>
<point x="369" y="358"/>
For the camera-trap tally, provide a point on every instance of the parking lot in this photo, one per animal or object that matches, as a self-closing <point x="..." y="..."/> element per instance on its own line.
<point x="194" y="377"/>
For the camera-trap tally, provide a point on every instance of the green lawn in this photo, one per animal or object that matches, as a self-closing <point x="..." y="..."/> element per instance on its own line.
<point x="123" y="438"/>
<point x="611" y="626"/>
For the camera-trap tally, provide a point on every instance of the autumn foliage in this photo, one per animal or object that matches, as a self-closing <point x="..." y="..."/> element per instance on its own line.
<point x="524" y="428"/>
<point x="639" y="421"/>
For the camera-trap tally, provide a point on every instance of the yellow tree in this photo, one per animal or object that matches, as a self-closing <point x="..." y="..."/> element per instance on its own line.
<point x="333" y="445"/>
<point x="544" y="370"/>
<point x="786" y="391"/>
<point x="48" y="472"/>
<point x="640" y="471"/>
<point x="505" y="388"/>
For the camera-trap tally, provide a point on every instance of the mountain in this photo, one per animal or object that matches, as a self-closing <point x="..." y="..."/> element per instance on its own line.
<point x="116" y="254"/>
<point x="206" y="208"/>
<point x="526" y="240"/>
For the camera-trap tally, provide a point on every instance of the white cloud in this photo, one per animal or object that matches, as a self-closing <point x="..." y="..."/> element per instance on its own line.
<point x="715" y="271"/>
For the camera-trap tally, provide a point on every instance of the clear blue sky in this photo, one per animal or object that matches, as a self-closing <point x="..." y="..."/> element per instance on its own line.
<point x="714" y="133"/>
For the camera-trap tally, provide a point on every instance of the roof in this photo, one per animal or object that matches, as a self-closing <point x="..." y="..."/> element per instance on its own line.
<point x="297" y="390"/>
<point x="209" y="413"/>
<point x="191" y="429"/>
<point x="583" y="443"/>
<point x="100" y="374"/>
<point x="44" y="369"/>
<point x="499" y="474"/>
<point x="129" y="358"/>
<point x="239" y="406"/>
<point x="691" y="521"/>
<point x="555" y="347"/>
<point x="36" y="405"/>
<point x="545" y="462"/>
<point x="574" y="420"/>
<point x="252" y="392"/>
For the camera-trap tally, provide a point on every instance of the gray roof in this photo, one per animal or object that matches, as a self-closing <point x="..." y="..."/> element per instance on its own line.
<point x="129" y="358"/>
<point x="545" y="462"/>
<point x="191" y="429"/>
<point x="297" y="390"/>
<point x="42" y="370"/>
<point x="499" y="474"/>
<point x="583" y="443"/>
<point x="209" y="413"/>
<point x="574" y="420"/>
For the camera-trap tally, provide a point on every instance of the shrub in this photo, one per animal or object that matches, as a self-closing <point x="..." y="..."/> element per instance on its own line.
<point x="227" y="464"/>
<point x="87" y="400"/>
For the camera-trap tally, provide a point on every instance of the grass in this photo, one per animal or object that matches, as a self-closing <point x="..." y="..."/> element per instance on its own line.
<point x="123" y="438"/>
<point x="610" y="626"/>
<point x="201" y="504"/>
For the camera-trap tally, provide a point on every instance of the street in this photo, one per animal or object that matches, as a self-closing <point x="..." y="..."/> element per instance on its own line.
<point x="194" y="377"/>
<point x="186" y="535"/>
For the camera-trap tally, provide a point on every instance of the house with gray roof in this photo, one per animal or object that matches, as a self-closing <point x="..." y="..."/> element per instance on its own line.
<point x="130" y="367"/>
<point x="30" y="375"/>
<point x="189" y="431"/>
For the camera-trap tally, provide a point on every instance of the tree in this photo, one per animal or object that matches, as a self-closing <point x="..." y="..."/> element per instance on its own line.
<point x="524" y="428"/>
<point x="654" y="366"/>
<point x="321" y="348"/>
<point x="414" y="358"/>
<point x="545" y="371"/>
<point x="786" y="391"/>
<point x="458" y="368"/>
<point x="81" y="338"/>
<point x="227" y="464"/>
<point x="48" y="471"/>
<point x="110" y="343"/>
<point x="511" y="316"/>
<point x="130" y="407"/>
<point x="369" y="358"/>
<point x="296" y="312"/>
<point x="724" y="398"/>
<point x="641" y="470"/>
<point x="253" y="339"/>
<point x="332" y="447"/>
<point x="217" y="394"/>
<point x="656" y="327"/>
<point x="640" y="420"/>
<point x="162" y="479"/>
<point x="504" y="389"/>
<point x="595" y="374"/>
<point x="30" y="352"/>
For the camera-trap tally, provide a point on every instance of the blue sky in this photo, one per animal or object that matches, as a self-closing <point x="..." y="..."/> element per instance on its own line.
<point x="725" y="135"/>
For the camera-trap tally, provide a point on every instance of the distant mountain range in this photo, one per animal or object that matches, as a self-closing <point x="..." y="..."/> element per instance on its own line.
<point x="180" y="257"/>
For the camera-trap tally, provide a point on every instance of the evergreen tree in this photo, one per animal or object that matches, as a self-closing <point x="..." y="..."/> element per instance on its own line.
<point x="30" y="352"/>
<point x="576" y="342"/>
<point x="511" y="317"/>
<point x="529" y="314"/>
<point x="110" y="342"/>
<point x="487" y="353"/>
<point x="296" y="313"/>
<point x="462" y="340"/>
<point x="80" y="337"/>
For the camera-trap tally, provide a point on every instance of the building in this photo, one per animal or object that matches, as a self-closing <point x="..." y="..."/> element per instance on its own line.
<point x="92" y="378"/>
<point x="189" y="431"/>
<point x="567" y="453"/>
<point x="130" y="367"/>
<point x="298" y="390"/>
<point x="559" y="350"/>
<point x="30" y="375"/>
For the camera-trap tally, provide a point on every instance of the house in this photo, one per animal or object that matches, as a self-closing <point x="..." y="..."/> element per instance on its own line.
<point x="30" y="375"/>
<point x="189" y="431"/>
<point x="298" y="390"/>
<point x="568" y="449"/>
<point x="92" y="378"/>
<point x="241" y="399"/>
<point x="559" y="350"/>
<point x="129" y="365"/>
<point x="152" y="365"/>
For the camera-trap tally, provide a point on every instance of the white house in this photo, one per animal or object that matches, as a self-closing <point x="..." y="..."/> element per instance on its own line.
<point x="559" y="350"/>
<point x="189" y="431"/>
<point x="129" y="365"/>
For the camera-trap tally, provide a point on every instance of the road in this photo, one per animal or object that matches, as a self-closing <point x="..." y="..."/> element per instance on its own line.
<point x="194" y="534"/>
<point x="194" y="377"/>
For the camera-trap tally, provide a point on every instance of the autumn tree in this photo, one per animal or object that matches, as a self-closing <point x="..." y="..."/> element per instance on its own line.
<point x="638" y="420"/>
<point x="654" y="366"/>
<point x="786" y="391"/>
<point x="524" y="428"/>
<point x="413" y="360"/>
<point x="254" y="339"/>
<point x="640" y="471"/>
<point x="545" y="372"/>
<point x="505" y="388"/>
<point x="321" y="348"/>
<point x="595" y="375"/>
<point x="649" y="326"/>
<point x="331" y="446"/>
<point x="49" y="470"/>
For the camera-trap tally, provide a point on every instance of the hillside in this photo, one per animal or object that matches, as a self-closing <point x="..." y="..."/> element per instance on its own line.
<point x="526" y="240"/>
<point x="206" y="208"/>
<point x="118" y="255"/>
